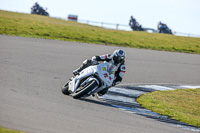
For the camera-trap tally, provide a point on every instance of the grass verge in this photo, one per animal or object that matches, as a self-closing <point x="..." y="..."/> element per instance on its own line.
<point x="180" y="104"/>
<point x="4" y="130"/>
<point x="37" y="26"/>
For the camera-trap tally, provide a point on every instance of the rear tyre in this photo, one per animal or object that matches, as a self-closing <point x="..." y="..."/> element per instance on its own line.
<point x="65" y="89"/>
<point x="85" y="90"/>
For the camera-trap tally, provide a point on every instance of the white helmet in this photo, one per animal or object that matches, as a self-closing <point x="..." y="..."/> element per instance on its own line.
<point x="118" y="56"/>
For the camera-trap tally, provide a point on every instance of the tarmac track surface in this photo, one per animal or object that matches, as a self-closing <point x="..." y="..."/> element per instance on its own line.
<point x="33" y="70"/>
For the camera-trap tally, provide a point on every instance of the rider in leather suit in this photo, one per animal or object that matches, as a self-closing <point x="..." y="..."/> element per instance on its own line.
<point x="118" y="57"/>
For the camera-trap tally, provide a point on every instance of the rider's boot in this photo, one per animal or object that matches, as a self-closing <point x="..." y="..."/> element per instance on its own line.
<point x="85" y="64"/>
<point x="77" y="71"/>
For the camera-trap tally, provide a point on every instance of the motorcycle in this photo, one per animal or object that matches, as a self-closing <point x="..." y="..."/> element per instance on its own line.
<point x="162" y="28"/>
<point x="136" y="27"/>
<point x="91" y="80"/>
<point x="39" y="10"/>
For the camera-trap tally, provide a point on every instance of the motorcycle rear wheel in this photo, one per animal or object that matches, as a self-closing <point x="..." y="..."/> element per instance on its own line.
<point x="85" y="90"/>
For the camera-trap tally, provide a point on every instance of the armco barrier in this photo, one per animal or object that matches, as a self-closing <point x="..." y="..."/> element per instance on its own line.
<point x="115" y="26"/>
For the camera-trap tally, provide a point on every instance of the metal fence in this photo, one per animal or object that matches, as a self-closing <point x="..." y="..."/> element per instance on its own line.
<point x="106" y="25"/>
<point x="186" y="34"/>
<point x="116" y="26"/>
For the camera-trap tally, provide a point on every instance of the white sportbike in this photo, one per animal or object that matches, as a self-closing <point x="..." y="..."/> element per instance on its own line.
<point x="91" y="80"/>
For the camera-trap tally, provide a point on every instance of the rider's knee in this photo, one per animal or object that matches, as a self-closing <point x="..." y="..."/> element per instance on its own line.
<point x="87" y="62"/>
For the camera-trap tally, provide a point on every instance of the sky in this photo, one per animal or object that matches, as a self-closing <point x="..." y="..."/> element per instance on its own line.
<point x="179" y="15"/>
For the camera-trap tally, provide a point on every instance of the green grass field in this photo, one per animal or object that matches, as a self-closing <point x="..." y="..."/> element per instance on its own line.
<point x="180" y="104"/>
<point x="37" y="26"/>
<point x="5" y="130"/>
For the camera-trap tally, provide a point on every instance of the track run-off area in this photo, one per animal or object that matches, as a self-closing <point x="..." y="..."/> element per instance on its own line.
<point x="33" y="70"/>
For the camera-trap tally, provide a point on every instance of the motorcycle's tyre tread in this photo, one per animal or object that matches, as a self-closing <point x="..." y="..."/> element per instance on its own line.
<point x="85" y="91"/>
<point x="65" y="89"/>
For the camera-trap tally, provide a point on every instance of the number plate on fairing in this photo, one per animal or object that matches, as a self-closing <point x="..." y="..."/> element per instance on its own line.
<point x="104" y="75"/>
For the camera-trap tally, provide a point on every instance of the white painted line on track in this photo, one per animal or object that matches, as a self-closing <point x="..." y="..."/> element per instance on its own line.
<point x="156" y="87"/>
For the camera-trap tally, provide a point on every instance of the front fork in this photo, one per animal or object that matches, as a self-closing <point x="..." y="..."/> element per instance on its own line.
<point x="96" y="89"/>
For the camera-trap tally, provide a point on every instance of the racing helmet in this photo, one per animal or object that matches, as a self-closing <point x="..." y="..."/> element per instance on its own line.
<point x="118" y="56"/>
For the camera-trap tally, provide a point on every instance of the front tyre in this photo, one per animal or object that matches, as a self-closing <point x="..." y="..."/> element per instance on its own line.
<point x="85" y="90"/>
<point x="65" y="89"/>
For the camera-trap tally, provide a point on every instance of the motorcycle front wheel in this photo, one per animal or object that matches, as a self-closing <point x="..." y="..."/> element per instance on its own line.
<point x="65" y="89"/>
<point x="81" y="91"/>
